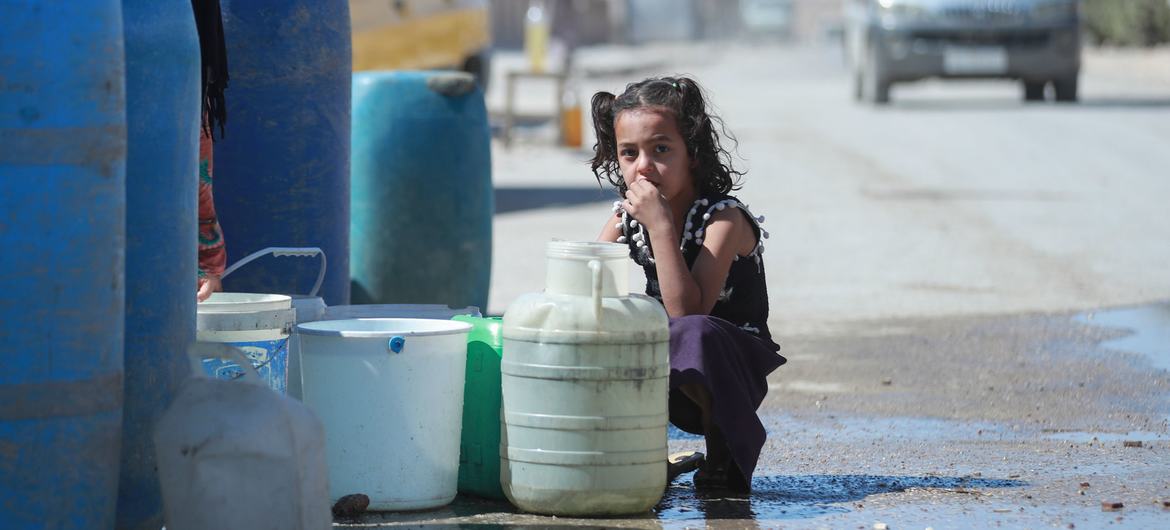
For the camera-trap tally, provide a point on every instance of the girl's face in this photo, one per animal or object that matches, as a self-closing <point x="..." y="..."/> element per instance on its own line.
<point x="649" y="145"/>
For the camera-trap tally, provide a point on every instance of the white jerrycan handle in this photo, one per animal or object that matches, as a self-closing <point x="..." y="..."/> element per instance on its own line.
<point x="595" y="266"/>
<point x="280" y="252"/>
<point x="216" y="350"/>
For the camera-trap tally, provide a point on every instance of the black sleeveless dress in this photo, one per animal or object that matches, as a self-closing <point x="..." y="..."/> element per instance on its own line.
<point x="730" y="351"/>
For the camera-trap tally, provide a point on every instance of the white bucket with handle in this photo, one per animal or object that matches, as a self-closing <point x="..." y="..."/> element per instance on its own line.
<point x="261" y="325"/>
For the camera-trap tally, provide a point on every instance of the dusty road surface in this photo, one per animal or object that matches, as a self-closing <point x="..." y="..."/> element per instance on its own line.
<point x="970" y="292"/>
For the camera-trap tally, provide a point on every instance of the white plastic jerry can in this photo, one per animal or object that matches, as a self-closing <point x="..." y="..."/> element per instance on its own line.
<point x="585" y="387"/>
<point x="235" y="454"/>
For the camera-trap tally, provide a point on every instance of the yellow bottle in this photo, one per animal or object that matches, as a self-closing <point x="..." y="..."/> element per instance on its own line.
<point x="536" y="35"/>
<point x="570" y="118"/>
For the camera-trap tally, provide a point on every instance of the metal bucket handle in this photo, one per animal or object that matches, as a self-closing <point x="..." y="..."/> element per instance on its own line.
<point x="280" y="252"/>
<point x="218" y="350"/>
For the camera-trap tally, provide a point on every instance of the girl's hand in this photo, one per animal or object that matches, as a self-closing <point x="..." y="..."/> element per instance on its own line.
<point x="207" y="285"/>
<point x="644" y="203"/>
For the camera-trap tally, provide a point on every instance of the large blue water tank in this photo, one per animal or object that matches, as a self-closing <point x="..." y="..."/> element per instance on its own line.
<point x="421" y="229"/>
<point x="62" y="244"/>
<point x="282" y="172"/>
<point x="162" y="179"/>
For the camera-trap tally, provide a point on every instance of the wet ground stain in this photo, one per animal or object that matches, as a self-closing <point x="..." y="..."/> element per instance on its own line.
<point x="1148" y="327"/>
<point x="1016" y="421"/>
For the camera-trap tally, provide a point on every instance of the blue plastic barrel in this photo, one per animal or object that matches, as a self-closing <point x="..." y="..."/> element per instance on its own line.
<point x="421" y="199"/>
<point x="162" y="180"/>
<point x="62" y="244"/>
<point x="282" y="172"/>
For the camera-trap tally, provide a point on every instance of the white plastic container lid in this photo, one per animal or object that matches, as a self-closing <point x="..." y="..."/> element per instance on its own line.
<point x="383" y="327"/>
<point x="244" y="303"/>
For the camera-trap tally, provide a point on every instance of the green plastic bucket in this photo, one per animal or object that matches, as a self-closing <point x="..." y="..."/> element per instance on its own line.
<point x="479" y="446"/>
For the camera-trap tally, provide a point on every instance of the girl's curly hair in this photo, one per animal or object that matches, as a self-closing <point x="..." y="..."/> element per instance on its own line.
<point x="713" y="172"/>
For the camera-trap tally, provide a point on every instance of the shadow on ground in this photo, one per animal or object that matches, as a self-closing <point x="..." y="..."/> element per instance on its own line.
<point x="530" y="198"/>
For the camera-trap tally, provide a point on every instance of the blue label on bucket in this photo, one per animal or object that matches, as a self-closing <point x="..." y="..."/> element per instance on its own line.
<point x="269" y="357"/>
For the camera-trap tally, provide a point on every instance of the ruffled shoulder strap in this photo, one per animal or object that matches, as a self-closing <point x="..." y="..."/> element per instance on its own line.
<point x="696" y="224"/>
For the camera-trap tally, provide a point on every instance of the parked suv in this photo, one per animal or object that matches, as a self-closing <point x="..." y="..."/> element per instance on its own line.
<point x="1034" y="41"/>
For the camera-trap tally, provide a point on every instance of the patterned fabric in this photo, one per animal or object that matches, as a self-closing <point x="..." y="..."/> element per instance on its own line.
<point x="212" y="253"/>
<point x="743" y="300"/>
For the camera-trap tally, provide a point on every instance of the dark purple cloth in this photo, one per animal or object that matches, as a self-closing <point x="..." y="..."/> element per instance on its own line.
<point x="733" y="365"/>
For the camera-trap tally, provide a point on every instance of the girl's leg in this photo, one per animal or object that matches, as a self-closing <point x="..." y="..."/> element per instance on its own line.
<point x="717" y="452"/>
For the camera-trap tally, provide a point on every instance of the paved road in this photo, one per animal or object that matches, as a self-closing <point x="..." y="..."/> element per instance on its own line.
<point x="958" y="199"/>
<point x="938" y="270"/>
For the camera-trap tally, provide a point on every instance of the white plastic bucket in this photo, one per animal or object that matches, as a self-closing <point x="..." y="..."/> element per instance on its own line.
<point x="305" y="309"/>
<point x="257" y="324"/>
<point x="308" y="309"/>
<point x="390" y="395"/>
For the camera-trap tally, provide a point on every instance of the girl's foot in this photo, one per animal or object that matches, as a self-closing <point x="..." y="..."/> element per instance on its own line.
<point x="720" y="477"/>
<point x="679" y="463"/>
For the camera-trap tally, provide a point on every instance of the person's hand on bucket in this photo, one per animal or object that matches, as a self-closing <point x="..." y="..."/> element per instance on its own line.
<point x="208" y="284"/>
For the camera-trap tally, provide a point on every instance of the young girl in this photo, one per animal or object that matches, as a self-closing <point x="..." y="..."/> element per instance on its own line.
<point x="702" y="251"/>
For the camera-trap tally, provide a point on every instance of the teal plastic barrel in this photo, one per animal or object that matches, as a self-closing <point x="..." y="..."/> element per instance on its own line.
<point x="62" y="243"/>
<point x="282" y="171"/>
<point x="421" y="190"/>
<point x="162" y="179"/>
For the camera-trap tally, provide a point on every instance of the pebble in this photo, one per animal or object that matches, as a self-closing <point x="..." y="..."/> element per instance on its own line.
<point x="1108" y="506"/>
<point x="1132" y="443"/>
<point x="887" y="382"/>
<point x="881" y="526"/>
<point x="1166" y="505"/>
<point x="1084" y="484"/>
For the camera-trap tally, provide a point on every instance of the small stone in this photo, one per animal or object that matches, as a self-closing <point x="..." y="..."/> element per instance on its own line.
<point x="1166" y="505"/>
<point x="887" y="382"/>
<point x="1109" y="506"/>
<point x="1132" y="443"/>
<point x="1084" y="484"/>
<point x="351" y="505"/>
<point x="881" y="526"/>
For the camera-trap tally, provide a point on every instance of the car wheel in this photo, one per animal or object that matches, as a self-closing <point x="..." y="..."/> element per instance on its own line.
<point x="875" y="87"/>
<point x="1034" y="90"/>
<point x="1066" y="89"/>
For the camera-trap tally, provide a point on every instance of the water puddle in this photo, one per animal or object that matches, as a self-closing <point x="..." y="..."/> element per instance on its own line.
<point x="1109" y="437"/>
<point x="1150" y="327"/>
